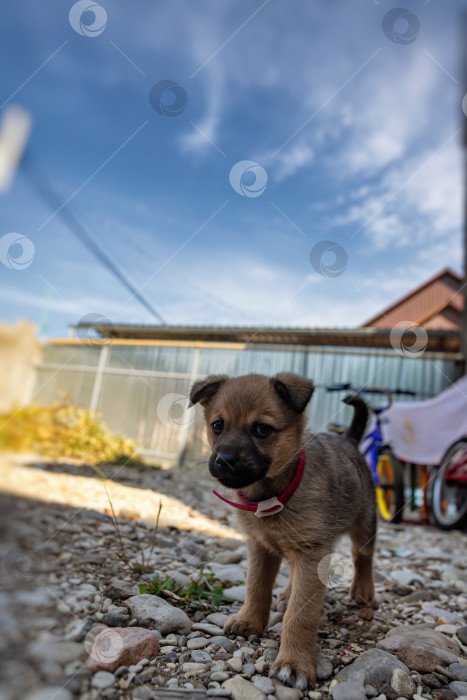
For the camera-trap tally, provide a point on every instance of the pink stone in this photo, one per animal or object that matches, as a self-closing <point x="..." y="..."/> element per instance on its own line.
<point x="121" y="646"/>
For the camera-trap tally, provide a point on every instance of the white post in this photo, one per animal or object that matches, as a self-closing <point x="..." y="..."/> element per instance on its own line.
<point x="96" y="391"/>
<point x="186" y="430"/>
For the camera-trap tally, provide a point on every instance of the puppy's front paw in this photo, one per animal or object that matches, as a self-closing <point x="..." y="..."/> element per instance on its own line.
<point x="362" y="590"/>
<point x="295" y="673"/>
<point x="244" y="626"/>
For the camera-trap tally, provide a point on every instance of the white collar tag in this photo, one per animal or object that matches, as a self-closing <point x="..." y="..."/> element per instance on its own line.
<point x="269" y="507"/>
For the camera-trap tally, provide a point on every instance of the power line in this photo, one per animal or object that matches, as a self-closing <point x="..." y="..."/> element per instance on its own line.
<point x="47" y="192"/>
<point x="211" y="297"/>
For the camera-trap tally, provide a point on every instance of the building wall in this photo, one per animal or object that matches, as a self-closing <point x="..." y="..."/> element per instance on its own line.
<point x="19" y="354"/>
<point x="448" y="319"/>
<point x="141" y="389"/>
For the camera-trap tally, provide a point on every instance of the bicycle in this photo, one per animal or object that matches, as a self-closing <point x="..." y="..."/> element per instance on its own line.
<point x="449" y="490"/>
<point x="386" y="469"/>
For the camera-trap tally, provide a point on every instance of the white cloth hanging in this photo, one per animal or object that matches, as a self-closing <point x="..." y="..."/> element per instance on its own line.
<point x="421" y="431"/>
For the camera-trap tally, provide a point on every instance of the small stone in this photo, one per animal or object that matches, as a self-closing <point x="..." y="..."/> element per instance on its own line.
<point x="443" y="694"/>
<point x="242" y="689"/>
<point x="232" y="557"/>
<point x="218" y="619"/>
<point x="274" y="618"/>
<point x="180" y="578"/>
<point x="103" y="679"/>
<point x="445" y="673"/>
<point x="276" y="628"/>
<point x="430" y="680"/>
<point x="235" y="664"/>
<point x="154" y="612"/>
<point x="370" y="691"/>
<point x="348" y="691"/>
<point x="440" y="614"/>
<point x="376" y="666"/>
<point x="447" y="629"/>
<point x="236" y="593"/>
<point x="315" y="695"/>
<point x="120" y="590"/>
<point x="402" y="590"/>
<point x="420" y="647"/>
<point x="423" y="658"/>
<point x="207" y="629"/>
<point x="458" y="687"/>
<point x="57" y="652"/>
<point x="200" y="656"/>
<point x="324" y="667"/>
<point x="269" y="643"/>
<point x="231" y="572"/>
<point x="462" y="634"/>
<point x="270" y="655"/>
<point x="366" y="613"/>
<point x="197" y="643"/>
<point x="142" y="693"/>
<point x="265" y="685"/>
<point x="459" y="672"/>
<point x="261" y="665"/>
<point x="114" y="647"/>
<point x="402" y="683"/>
<point x="193" y="669"/>
<point x="239" y="654"/>
<point x="115" y="620"/>
<point x="406" y="576"/>
<point x="52" y="691"/>
<point x="283" y="692"/>
<point x="145" y="676"/>
<point x="219" y="676"/>
<point x="224" y="642"/>
<point x="248" y="669"/>
<point x="417" y="596"/>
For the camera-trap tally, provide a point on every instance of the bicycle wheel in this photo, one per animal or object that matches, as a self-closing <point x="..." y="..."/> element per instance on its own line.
<point x="390" y="487"/>
<point x="449" y="493"/>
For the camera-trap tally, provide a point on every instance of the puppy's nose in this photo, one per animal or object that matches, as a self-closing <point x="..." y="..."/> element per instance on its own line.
<point x="226" y="459"/>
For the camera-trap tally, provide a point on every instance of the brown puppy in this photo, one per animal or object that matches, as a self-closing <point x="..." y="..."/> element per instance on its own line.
<point x="255" y="426"/>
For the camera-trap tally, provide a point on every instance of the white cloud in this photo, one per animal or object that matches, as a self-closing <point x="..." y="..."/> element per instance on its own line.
<point x="291" y="160"/>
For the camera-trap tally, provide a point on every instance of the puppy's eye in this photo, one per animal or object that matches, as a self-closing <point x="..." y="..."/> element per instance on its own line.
<point x="262" y="430"/>
<point x="217" y="426"/>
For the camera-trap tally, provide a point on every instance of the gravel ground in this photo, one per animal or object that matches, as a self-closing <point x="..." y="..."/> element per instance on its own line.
<point x="74" y="624"/>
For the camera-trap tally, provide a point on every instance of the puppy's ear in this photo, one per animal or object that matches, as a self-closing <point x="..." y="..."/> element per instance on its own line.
<point x="294" y="390"/>
<point x="203" y="390"/>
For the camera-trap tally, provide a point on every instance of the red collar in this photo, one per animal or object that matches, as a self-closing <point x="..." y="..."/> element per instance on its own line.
<point x="273" y="505"/>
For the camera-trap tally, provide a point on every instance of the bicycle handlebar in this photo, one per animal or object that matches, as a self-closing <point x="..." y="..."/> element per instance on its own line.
<point x="371" y="390"/>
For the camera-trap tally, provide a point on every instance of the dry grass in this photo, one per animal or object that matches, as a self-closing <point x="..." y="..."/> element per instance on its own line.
<point x="65" y="432"/>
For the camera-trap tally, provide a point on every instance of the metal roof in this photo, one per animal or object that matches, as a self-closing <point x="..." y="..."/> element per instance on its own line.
<point x="424" y="302"/>
<point x="438" y="340"/>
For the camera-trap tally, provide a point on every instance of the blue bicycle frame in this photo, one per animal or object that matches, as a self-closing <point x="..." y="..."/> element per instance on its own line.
<point x="373" y="448"/>
<point x="372" y="451"/>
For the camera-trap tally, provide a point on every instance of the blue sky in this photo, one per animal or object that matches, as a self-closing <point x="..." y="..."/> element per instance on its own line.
<point x="359" y="136"/>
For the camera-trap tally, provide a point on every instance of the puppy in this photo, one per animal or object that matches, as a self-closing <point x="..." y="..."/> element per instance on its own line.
<point x="316" y="487"/>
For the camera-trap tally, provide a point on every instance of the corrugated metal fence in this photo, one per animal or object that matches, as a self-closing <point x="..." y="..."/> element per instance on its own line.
<point x="141" y="387"/>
